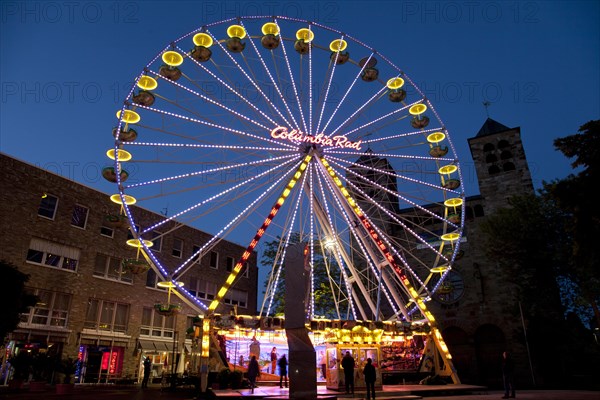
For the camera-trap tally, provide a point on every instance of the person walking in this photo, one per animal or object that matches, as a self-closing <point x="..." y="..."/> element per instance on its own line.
<point x="147" y="369"/>
<point x="273" y="359"/>
<point x="283" y="373"/>
<point x="348" y="366"/>
<point x="508" y="370"/>
<point x="253" y="372"/>
<point x="370" y="375"/>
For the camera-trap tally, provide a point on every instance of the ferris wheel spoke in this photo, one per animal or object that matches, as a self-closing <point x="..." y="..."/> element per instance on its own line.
<point x="221" y="233"/>
<point x="207" y="99"/>
<point x="291" y="75"/>
<point x="375" y="120"/>
<point x="231" y="89"/>
<point x="373" y="99"/>
<point x="328" y="87"/>
<point x="216" y="196"/>
<point x="213" y="125"/>
<point x="347" y="92"/>
<point x="276" y="85"/>
<point x="250" y="80"/>
<point x="207" y="171"/>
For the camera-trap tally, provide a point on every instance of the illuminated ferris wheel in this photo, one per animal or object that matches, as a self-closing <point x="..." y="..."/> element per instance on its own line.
<point x="275" y="129"/>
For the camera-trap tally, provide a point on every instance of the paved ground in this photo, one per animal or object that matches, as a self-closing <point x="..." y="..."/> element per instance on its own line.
<point x="390" y="393"/>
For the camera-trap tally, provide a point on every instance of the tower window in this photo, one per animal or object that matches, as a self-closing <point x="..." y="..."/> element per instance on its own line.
<point x="488" y="147"/>
<point x="508" y="166"/>
<point x="490" y="158"/>
<point x="493" y="170"/>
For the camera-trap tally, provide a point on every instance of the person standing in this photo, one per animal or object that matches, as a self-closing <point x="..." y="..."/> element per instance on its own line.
<point x="283" y="374"/>
<point x="253" y="372"/>
<point x="273" y="359"/>
<point x="508" y="370"/>
<point x="147" y="369"/>
<point x="348" y="365"/>
<point x="370" y="376"/>
<point x="255" y="347"/>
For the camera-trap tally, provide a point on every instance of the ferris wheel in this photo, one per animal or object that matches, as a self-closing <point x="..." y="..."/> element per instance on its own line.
<point x="279" y="130"/>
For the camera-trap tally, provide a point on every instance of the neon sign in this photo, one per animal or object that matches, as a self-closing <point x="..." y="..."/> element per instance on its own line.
<point x="295" y="135"/>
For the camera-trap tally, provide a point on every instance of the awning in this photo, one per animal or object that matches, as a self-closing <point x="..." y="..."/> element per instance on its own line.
<point x="147" y="345"/>
<point x="163" y="346"/>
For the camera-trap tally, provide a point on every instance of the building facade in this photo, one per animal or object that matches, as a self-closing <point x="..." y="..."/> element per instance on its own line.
<point x="92" y="306"/>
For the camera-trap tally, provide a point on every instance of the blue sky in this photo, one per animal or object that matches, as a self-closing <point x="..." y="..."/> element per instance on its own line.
<point x="67" y="66"/>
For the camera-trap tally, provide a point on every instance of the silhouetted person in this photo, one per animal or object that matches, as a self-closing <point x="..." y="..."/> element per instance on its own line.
<point x="370" y="375"/>
<point x="348" y="365"/>
<point x="283" y="374"/>
<point x="147" y="370"/>
<point x="508" y="370"/>
<point x="253" y="372"/>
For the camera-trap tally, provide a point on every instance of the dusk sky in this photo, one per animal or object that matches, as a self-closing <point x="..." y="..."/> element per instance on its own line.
<point x="67" y="66"/>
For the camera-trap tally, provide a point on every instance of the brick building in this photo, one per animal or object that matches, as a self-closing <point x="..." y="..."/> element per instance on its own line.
<point x="90" y="305"/>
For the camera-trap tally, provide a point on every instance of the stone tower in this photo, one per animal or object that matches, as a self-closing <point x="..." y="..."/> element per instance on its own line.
<point x="478" y="310"/>
<point x="500" y="164"/>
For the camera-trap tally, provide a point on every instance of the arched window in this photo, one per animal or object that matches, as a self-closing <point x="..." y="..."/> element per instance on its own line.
<point x="503" y="144"/>
<point x="505" y="155"/>
<point x="508" y="166"/>
<point x="490" y="158"/>
<point x="478" y="210"/>
<point x="493" y="170"/>
<point x="469" y="213"/>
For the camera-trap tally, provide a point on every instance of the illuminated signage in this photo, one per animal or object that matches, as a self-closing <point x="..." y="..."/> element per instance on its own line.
<point x="295" y="135"/>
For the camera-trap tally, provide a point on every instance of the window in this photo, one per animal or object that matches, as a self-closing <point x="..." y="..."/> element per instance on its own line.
<point x="196" y="258"/>
<point x="152" y="280"/>
<point x="106" y="231"/>
<point x="48" y="206"/>
<point x="230" y="263"/>
<point x="508" y="166"/>
<point x="111" y="268"/>
<point x="129" y="234"/>
<point x="52" y="309"/>
<point x="156" y="239"/>
<point x="493" y="170"/>
<point x="236" y="297"/>
<point x="156" y="325"/>
<point x="488" y="147"/>
<point x="490" y="158"/>
<point x="214" y="259"/>
<point x="106" y="315"/>
<point x="79" y="216"/>
<point x="202" y="289"/>
<point x="177" y="248"/>
<point x="52" y="254"/>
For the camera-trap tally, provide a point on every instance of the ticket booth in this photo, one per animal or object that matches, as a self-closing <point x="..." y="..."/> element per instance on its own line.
<point x="360" y="353"/>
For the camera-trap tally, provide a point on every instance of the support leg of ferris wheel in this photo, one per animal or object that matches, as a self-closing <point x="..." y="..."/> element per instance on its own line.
<point x="448" y="367"/>
<point x="366" y="240"/>
<point x="206" y="322"/>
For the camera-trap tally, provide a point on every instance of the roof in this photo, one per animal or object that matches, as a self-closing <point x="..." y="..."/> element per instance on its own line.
<point x="490" y="127"/>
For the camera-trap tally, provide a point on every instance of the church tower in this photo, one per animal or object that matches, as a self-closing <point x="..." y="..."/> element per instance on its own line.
<point x="500" y="164"/>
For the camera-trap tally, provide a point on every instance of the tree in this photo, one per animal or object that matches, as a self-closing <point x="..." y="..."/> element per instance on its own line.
<point x="576" y="195"/>
<point x="323" y="296"/>
<point x="13" y="297"/>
